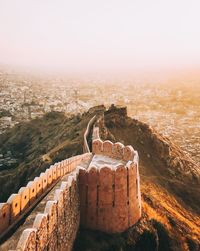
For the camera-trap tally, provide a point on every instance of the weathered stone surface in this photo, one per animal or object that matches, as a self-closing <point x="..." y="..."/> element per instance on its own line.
<point x="61" y="168"/>
<point x="91" y="219"/>
<point x="4" y="216"/>
<point x="128" y="153"/>
<point x="58" y="169"/>
<point x="120" y="218"/>
<point x="92" y="186"/>
<point x="53" y="241"/>
<point x="44" y="181"/>
<point x="51" y="211"/>
<point x="38" y="181"/>
<point x="54" y="172"/>
<point x="32" y="185"/>
<point x="108" y="148"/>
<point x="105" y="199"/>
<point x="15" y="202"/>
<point x="49" y="176"/>
<point x="105" y="218"/>
<point x="97" y="146"/>
<point x="83" y="190"/>
<point x="24" y="193"/>
<point x="134" y="196"/>
<point x="65" y="167"/>
<point x="27" y="241"/>
<point x="59" y="196"/>
<point x="92" y="198"/>
<point x="95" y="134"/>
<point x="120" y="186"/>
<point x="118" y="150"/>
<point x="40" y="224"/>
<point x="105" y="186"/>
<point x="120" y="209"/>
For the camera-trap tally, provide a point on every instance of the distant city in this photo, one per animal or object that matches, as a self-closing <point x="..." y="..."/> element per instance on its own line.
<point x="172" y="109"/>
<point x="22" y="99"/>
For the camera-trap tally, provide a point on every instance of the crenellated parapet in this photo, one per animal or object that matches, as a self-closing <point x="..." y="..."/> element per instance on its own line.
<point x="114" y="150"/>
<point x="110" y="188"/>
<point x="95" y="134"/>
<point x="86" y="148"/>
<point x="55" y="228"/>
<point x="27" y="197"/>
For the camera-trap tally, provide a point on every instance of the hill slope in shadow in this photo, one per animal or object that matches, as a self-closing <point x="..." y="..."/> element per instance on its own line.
<point x="38" y="144"/>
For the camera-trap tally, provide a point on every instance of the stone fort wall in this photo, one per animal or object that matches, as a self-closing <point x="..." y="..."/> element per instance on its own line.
<point x="27" y="197"/>
<point x="110" y="195"/>
<point x="56" y="227"/>
<point x="106" y="198"/>
<point x="86" y="148"/>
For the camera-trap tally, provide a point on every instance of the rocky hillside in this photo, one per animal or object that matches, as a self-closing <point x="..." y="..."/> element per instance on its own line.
<point x="160" y="159"/>
<point x="36" y="145"/>
<point x="170" y="186"/>
<point x="170" y="180"/>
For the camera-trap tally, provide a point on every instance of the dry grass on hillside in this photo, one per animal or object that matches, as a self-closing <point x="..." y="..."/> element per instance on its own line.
<point x="158" y="204"/>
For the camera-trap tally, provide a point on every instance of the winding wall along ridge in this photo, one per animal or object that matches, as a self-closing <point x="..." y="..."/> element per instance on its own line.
<point x="19" y="204"/>
<point x="22" y="202"/>
<point x="105" y="197"/>
<point x="86" y="148"/>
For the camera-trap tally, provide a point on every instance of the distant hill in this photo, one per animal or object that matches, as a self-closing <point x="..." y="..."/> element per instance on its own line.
<point x="37" y="144"/>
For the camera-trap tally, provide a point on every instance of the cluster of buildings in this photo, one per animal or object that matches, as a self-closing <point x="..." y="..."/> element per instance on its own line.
<point x="171" y="109"/>
<point x="24" y="97"/>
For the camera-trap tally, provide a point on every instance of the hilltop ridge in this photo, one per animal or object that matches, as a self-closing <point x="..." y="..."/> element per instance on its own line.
<point x="37" y="144"/>
<point x="159" y="157"/>
<point x="169" y="178"/>
<point x="170" y="191"/>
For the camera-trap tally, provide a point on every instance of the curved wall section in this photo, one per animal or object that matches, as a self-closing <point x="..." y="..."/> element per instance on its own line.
<point x="100" y="191"/>
<point x="110" y="198"/>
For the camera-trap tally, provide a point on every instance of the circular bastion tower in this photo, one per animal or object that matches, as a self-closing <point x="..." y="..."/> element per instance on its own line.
<point x="109" y="188"/>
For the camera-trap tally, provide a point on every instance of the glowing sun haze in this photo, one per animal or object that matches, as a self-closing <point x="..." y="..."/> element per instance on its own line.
<point x="107" y="35"/>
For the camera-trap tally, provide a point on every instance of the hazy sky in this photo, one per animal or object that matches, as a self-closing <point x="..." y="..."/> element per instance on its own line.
<point x="100" y="35"/>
